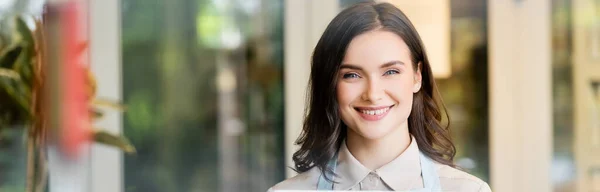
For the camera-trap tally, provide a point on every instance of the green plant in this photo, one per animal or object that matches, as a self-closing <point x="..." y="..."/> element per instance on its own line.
<point x="23" y="89"/>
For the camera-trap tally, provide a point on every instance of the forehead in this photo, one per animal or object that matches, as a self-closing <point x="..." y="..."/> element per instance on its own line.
<point x="375" y="48"/>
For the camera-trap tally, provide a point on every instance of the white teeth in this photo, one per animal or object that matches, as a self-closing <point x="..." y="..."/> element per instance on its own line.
<point x="375" y="112"/>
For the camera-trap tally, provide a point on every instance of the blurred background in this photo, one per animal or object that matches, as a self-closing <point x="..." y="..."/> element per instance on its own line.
<point x="214" y="91"/>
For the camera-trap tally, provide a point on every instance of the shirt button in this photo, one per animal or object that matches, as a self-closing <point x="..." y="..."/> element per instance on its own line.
<point x="372" y="177"/>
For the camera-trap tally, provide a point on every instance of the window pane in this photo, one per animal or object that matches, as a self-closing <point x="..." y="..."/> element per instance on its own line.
<point x="563" y="165"/>
<point x="465" y="92"/>
<point x="203" y="84"/>
<point x="576" y="95"/>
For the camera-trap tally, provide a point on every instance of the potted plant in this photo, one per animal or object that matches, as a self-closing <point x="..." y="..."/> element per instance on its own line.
<point x="23" y="96"/>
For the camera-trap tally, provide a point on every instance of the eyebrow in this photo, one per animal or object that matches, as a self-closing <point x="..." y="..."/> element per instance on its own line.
<point x="356" y="67"/>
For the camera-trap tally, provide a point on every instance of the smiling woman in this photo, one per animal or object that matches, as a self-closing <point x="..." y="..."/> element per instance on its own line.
<point x="374" y="113"/>
<point x="367" y="91"/>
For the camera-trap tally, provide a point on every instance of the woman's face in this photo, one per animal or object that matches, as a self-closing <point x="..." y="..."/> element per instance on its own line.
<point x="376" y="83"/>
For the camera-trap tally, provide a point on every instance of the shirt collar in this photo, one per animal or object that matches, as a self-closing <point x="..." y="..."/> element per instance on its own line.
<point x="402" y="173"/>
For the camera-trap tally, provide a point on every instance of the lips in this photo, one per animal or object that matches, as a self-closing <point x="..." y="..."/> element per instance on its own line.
<point x="373" y="113"/>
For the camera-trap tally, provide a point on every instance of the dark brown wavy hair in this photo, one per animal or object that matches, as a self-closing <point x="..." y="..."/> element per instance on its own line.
<point x="323" y="130"/>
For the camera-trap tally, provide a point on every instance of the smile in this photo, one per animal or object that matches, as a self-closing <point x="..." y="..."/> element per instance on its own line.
<point x="373" y="113"/>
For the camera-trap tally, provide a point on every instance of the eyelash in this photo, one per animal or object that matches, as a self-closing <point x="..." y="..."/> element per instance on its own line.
<point x="354" y="75"/>
<point x="350" y="75"/>
<point x="394" y="72"/>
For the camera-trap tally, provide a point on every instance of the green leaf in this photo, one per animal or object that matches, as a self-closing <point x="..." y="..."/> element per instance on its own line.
<point x="113" y="140"/>
<point x="24" y="32"/>
<point x="8" y="73"/>
<point x="17" y="92"/>
<point x="9" y="56"/>
<point x="109" y="104"/>
<point x="24" y="65"/>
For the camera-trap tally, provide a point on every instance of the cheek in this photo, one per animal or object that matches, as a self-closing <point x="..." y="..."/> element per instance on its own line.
<point x="401" y="90"/>
<point x="346" y="93"/>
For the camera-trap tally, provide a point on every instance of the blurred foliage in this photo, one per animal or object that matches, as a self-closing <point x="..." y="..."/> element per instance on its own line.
<point x="173" y="52"/>
<point x="22" y="86"/>
<point x="21" y="75"/>
<point x="16" y="76"/>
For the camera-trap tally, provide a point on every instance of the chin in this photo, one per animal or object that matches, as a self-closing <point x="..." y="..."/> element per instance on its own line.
<point x="373" y="133"/>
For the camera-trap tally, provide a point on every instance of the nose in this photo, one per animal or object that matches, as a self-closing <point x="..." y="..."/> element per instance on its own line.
<point x="374" y="91"/>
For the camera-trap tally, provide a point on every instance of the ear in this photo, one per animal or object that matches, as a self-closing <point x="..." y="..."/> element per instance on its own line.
<point x="418" y="79"/>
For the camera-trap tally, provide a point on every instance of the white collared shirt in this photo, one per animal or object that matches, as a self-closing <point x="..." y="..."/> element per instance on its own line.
<point x="401" y="174"/>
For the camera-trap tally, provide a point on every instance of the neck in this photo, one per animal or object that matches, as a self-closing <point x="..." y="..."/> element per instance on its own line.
<point x="375" y="153"/>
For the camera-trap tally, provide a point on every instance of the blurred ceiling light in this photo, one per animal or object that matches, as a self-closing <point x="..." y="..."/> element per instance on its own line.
<point x="432" y="21"/>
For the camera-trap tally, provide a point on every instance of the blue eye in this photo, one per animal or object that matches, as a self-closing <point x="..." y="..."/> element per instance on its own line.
<point x="391" y="72"/>
<point x="350" y="75"/>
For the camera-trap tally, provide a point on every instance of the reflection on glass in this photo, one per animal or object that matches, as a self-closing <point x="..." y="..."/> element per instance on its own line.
<point x="563" y="165"/>
<point x="465" y="92"/>
<point x="203" y="84"/>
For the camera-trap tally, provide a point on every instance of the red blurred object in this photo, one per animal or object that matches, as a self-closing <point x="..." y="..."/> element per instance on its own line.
<point x="75" y="120"/>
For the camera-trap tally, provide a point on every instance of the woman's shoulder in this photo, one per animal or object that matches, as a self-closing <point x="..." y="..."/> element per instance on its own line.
<point x="303" y="181"/>
<point x="453" y="179"/>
